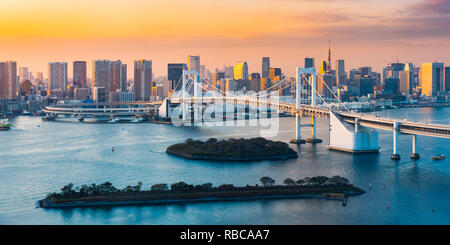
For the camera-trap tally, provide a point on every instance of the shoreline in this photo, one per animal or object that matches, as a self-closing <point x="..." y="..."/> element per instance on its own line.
<point x="160" y="198"/>
<point x="240" y="159"/>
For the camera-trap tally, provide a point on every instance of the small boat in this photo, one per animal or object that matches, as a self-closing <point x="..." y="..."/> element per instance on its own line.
<point x="438" y="157"/>
<point x="5" y="125"/>
<point x="137" y="120"/>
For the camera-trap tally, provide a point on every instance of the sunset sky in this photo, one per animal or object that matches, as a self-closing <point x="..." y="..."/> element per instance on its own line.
<point x="364" y="32"/>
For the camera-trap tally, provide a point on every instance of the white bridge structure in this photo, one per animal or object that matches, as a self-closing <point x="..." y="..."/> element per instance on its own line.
<point x="348" y="131"/>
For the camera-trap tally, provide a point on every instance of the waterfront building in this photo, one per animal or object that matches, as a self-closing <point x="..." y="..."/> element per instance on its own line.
<point x="447" y="79"/>
<point x="124" y="77"/>
<point x="341" y="75"/>
<point x="365" y="86"/>
<point x="432" y="78"/>
<point x="8" y="80"/>
<point x="57" y="75"/>
<point x="116" y="75"/>
<point x="265" y="67"/>
<point x="99" y="94"/>
<point x="406" y="79"/>
<point x="121" y="96"/>
<point x="101" y="78"/>
<point x="80" y="73"/>
<point x="143" y="81"/>
<point x="193" y="63"/>
<point x="174" y="74"/>
<point x="81" y="93"/>
<point x="391" y="86"/>
<point x="241" y="71"/>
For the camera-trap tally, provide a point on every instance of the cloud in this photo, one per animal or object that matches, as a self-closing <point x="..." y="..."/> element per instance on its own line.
<point x="441" y="7"/>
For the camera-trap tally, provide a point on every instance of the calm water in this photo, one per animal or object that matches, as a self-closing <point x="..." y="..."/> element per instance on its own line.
<point x="37" y="160"/>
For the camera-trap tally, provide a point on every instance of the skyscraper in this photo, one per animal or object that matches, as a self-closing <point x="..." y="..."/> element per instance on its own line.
<point x="323" y="67"/>
<point x="309" y="62"/>
<point x="124" y="77"/>
<point x="79" y="73"/>
<point x="241" y="71"/>
<point x="116" y="75"/>
<point x="143" y="79"/>
<point x="24" y="74"/>
<point x="275" y="74"/>
<point x="447" y="79"/>
<point x="101" y="78"/>
<point x="432" y="78"/>
<point x="406" y="79"/>
<point x="217" y="76"/>
<point x="57" y="75"/>
<point x="341" y="75"/>
<point x="8" y="79"/>
<point x="193" y="63"/>
<point x="174" y="73"/>
<point x="265" y="67"/>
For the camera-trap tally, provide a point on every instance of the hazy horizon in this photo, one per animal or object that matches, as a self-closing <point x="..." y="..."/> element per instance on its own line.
<point x="364" y="33"/>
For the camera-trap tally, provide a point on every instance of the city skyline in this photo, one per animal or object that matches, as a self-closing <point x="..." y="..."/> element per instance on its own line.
<point x="367" y="33"/>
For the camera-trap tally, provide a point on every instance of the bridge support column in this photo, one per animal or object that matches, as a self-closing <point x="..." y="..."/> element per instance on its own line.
<point x="414" y="154"/>
<point x="395" y="154"/>
<point x="313" y="138"/>
<point x="298" y="122"/>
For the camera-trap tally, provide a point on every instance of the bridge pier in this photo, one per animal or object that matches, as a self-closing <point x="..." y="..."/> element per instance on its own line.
<point x="414" y="154"/>
<point x="298" y="121"/>
<point x="395" y="155"/>
<point x="313" y="138"/>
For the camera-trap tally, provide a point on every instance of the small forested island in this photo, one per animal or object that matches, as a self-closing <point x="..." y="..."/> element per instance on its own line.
<point x="232" y="150"/>
<point x="334" y="188"/>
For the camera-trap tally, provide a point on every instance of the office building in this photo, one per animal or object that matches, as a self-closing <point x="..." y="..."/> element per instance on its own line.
<point x="175" y="73"/>
<point x="24" y="74"/>
<point x="341" y="75"/>
<point x="265" y="67"/>
<point x="241" y="71"/>
<point x="193" y="63"/>
<point x="8" y="80"/>
<point x="432" y="78"/>
<point x="116" y="76"/>
<point x="217" y="76"/>
<point x="275" y="74"/>
<point x="323" y="67"/>
<point x="447" y="79"/>
<point x="80" y="73"/>
<point x="57" y="75"/>
<point x="143" y="79"/>
<point x="309" y="62"/>
<point x="124" y="77"/>
<point x="101" y="78"/>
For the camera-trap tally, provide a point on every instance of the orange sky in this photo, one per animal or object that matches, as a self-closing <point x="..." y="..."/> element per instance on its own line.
<point x="364" y="33"/>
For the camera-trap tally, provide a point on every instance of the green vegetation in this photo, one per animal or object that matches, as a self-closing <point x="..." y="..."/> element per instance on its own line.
<point x="69" y="193"/>
<point x="232" y="149"/>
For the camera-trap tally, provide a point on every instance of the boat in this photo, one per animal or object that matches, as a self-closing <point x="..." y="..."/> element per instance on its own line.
<point x="4" y="125"/>
<point x="438" y="157"/>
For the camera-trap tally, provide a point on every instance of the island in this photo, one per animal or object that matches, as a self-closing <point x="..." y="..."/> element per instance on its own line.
<point x="334" y="188"/>
<point x="232" y="150"/>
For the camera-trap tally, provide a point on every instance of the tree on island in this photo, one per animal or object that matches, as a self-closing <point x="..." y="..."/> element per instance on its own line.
<point x="159" y="187"/>
<point x="289" y="182"/>
<point x="267" y="181"/>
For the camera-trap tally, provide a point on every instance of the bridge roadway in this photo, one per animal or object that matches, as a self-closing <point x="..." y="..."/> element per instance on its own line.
<point x="139" y="108"/>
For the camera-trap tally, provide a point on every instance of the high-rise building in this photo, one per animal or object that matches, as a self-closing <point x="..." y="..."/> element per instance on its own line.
<point x="275" y="74"/>
<point x="193" y="63"/>
<point x="8" y="80"/>
<point x="365" y="86"/>
<point x="241" y="71"/>
<point x="447" y="79"/>
<point x="309" y="62"/>
<point x="255" y="82"/>
<point x="124" y="77"/>
<point x="79" y="73"/>
<point x="217" y="76"/>
<point x="432" y="78"/>
<point x="323" y="67"/>
<point x="406" y="79"/>
<point x="101" y="78"/>
<point x="265" y="67"/>
<point x="116" y="75"/>
<point x="341" y="75"/>
<point x="143" y="82"/>
<point x="175" y="73"/>
<point x="57" y="75"/>
<point x="24" y="74"/>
